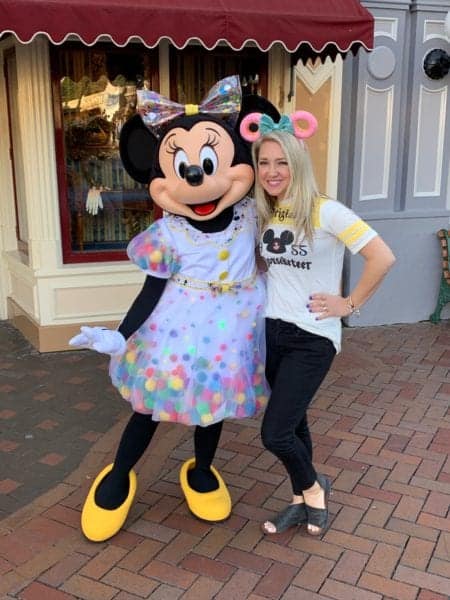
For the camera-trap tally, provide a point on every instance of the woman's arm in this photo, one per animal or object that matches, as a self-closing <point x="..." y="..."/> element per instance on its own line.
<point x="378" y="259"/>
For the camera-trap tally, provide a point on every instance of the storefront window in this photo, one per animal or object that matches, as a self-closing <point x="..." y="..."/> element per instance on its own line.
<point x="94" y="91"/>
<point x="102" y="208"/>
<point x="194" y="70"/>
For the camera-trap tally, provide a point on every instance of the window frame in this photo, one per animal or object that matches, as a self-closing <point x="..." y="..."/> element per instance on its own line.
<point x="10" y="60"/>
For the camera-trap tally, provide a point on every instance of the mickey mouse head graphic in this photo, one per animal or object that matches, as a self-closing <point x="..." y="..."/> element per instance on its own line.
<point x="277" y="245"/>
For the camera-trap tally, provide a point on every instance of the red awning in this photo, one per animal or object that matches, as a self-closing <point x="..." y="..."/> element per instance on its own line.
<point x="320" y="26"/>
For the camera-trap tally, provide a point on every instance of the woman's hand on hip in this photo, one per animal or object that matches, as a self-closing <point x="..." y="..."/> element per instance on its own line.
<point x="328" y="305"/>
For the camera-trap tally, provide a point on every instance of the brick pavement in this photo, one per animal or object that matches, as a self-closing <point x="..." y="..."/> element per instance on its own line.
<point x="53" y="408"/>
<point x="380" y="424"/>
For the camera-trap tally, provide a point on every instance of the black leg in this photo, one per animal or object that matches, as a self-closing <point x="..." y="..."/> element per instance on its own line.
<point x="206" y="440"/>
<point x="135" y="439"/>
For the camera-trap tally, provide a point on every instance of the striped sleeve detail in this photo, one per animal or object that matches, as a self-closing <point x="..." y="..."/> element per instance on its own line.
<point x="353" y="232"/>
<point x="318" y="203"/>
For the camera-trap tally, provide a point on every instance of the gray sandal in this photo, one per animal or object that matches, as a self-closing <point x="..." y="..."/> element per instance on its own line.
<point x="294" y="514"/>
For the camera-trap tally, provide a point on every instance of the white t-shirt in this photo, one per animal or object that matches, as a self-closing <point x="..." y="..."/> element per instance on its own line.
<point x="297" y="269"/>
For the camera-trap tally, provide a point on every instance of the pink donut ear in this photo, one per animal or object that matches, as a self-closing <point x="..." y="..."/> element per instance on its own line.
<point x="249" y="127"/>
<point x="297" y="118"/>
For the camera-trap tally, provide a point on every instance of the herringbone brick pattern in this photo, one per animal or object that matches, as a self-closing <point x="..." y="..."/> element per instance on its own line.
<point x="381" y="425"/>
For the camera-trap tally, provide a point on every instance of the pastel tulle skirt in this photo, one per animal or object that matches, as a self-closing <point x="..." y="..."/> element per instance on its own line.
<point x="199" y="358"/>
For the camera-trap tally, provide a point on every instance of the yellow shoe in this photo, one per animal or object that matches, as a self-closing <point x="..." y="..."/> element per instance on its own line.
<point x="99" y="524"/>
<point x="209" y="506"/>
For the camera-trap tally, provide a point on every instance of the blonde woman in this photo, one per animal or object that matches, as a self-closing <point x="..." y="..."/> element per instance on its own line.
<point x="302" y="239"/>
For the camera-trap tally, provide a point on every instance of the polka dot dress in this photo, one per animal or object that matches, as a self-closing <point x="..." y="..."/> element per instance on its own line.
<point x="199" y="357"/>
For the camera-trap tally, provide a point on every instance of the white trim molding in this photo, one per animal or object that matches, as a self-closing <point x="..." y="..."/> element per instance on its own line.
<point x="376" y="143"/>
<point x="386" y="26"/>
<point x="428" y="164"/>
<point x="434" y="29"/>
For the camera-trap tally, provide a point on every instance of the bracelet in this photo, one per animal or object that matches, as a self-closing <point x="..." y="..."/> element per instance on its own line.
<point x="352" y="307"/>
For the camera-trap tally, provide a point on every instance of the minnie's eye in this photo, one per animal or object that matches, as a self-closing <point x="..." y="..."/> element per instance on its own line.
<point x="180" y="163"/>
<point x="208" y="160"/>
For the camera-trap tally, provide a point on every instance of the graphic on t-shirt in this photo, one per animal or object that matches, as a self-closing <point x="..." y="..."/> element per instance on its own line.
<point x="277" y="245"/>
<point x="297" y="268"/>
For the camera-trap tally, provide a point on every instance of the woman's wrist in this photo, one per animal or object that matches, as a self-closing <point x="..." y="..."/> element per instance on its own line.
<point x="353" y="308"/>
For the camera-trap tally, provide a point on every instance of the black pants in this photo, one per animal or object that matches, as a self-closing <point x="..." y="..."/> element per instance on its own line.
<point x="296" y="364"/>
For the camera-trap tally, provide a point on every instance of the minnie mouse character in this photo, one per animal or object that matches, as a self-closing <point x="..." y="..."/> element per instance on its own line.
<point x="191" y="348"/>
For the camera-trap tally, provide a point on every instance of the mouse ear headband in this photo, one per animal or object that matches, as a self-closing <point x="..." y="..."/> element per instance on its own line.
<point x="255" y="125"/>
<point x="222" y="100"/>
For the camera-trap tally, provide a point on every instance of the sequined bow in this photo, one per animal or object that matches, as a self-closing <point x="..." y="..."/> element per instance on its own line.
<point x="267" y="125"/>
<point x="223" y="99"/>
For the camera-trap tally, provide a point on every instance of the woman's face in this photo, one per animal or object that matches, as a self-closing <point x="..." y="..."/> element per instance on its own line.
<point x="273" y="170"/>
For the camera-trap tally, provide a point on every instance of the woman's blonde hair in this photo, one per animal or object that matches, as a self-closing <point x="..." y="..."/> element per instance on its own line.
<point x="302" y="190"/>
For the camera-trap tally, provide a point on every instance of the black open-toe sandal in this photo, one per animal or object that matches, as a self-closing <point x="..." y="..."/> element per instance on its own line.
<point x="291" y="516"/>
<point x="318" y="517"/>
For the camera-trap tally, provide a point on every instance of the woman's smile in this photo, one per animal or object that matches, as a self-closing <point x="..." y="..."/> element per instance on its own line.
<point x="273" y="169"/>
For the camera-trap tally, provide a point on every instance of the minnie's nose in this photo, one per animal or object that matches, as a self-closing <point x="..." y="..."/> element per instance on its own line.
<point x="194" y="175"/>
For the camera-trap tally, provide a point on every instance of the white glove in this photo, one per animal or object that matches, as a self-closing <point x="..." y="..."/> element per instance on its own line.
<point x="100" y="339"/>
<point x="94" y="200"/>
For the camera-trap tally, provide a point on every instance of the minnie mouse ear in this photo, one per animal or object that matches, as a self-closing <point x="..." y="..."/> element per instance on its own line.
<point x="137" y="148"/>
<point x="254" y="103"/>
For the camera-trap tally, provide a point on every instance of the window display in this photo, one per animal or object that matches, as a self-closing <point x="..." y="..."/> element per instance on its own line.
<point x="195" y="69"/>
<point x="94" y="91"/>
<point x="102" y="208"/>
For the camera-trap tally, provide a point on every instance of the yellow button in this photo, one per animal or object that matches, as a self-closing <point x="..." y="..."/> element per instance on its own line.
<point x="223" y="255"/>
<point x="223" y="275"/>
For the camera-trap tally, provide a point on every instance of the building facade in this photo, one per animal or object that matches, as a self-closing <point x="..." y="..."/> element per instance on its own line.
<point x="68" y="209"/>
<point x="395" y="154"/>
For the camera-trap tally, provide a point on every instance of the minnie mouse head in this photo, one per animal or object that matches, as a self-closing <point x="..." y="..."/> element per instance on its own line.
<point x="192" y="157"/>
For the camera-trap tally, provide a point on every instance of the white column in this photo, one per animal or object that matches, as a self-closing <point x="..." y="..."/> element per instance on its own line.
<point x="38" y="147"/>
